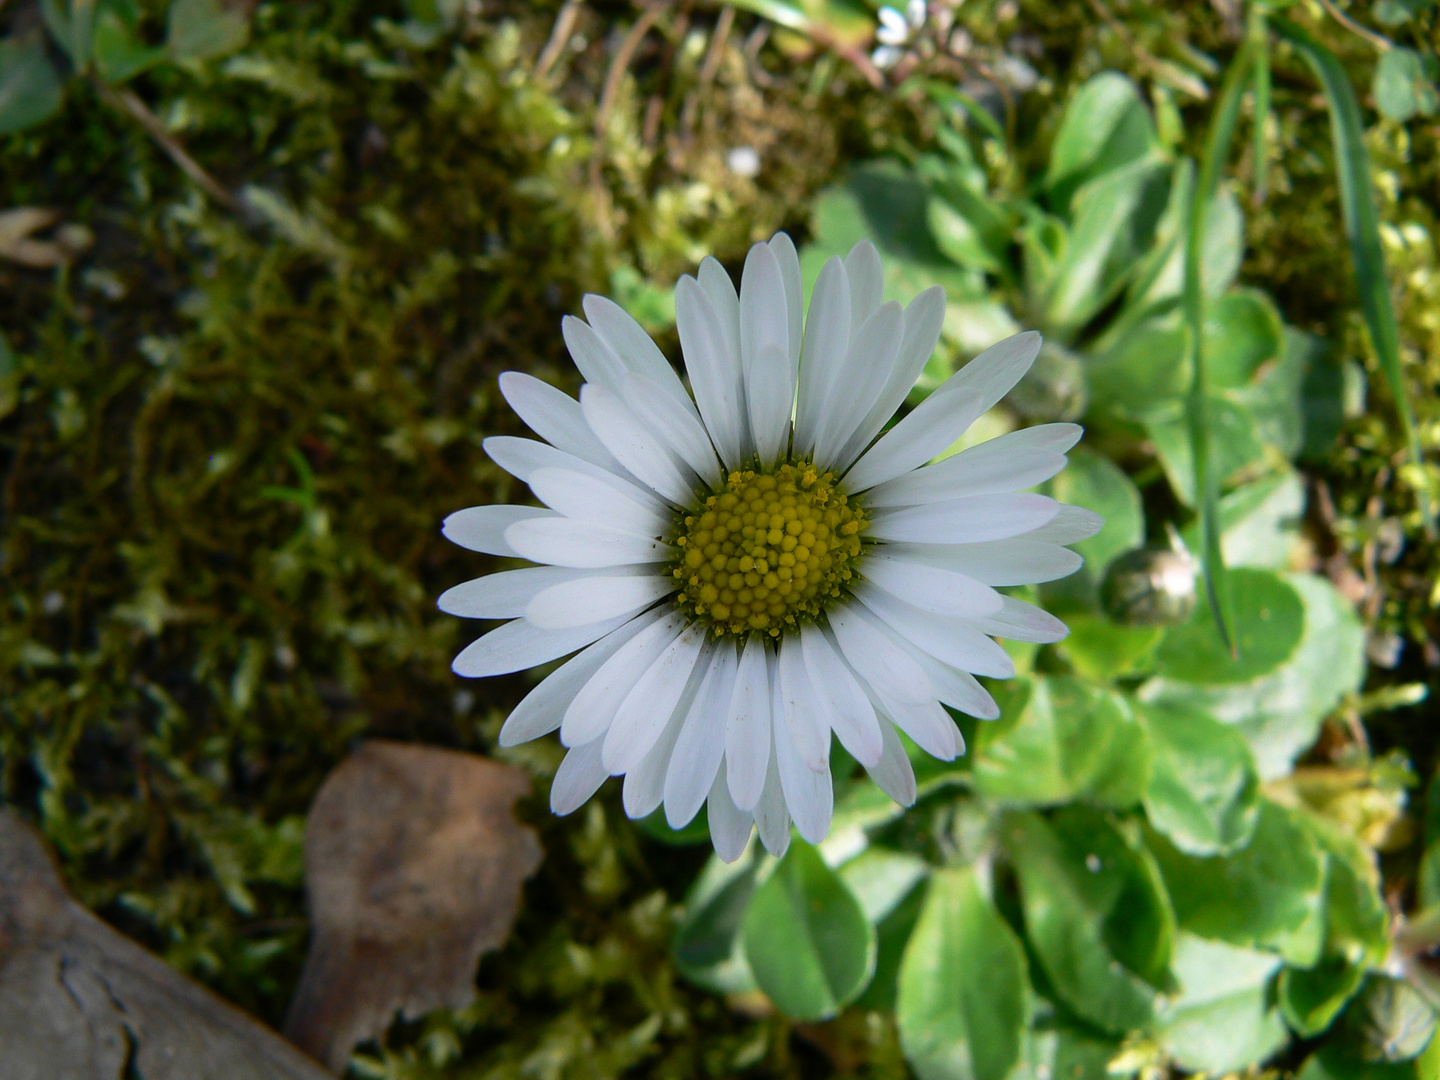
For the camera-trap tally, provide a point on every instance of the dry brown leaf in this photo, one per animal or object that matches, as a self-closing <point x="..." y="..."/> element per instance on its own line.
<point x="80" y="1001"/>
<point x="18" y="227"/>
<point x="414" y="864"/>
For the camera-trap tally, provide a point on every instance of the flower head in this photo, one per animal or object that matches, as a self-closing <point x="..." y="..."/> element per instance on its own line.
<point x="743" y="572"/>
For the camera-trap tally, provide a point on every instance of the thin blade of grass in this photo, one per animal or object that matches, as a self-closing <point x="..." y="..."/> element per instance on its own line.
<point x="1261" y="148"/>
<point x="1207" y="483"/>
<point x="1362" y="229"/>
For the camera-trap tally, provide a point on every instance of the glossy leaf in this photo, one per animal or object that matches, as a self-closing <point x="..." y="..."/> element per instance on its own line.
<point x="707" y="946"/>
<point x="808" y="943"/>
<point x="1100" y="649"/>
<point x="1204" y="794"/>
<point x="1236" y="444"/>
<point x="1096" y="914"/>
<point x="30" y="89"/>
<point x="1269" y="625"/>
<point x="1105" y="127"/>
<point x="961" y="1008"/>
<point x="1268" y="894"/>
<point x="1280" y="713"/>
<point x="1221" y="1021"/>
<point x="1068" y="740"/>
<point x="1401" y="88"/>
<point x="1242" y="332"/>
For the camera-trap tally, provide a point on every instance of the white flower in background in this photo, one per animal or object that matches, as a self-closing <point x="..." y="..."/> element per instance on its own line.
<point x="895" y="30"/>
<point x="744" y="572"/>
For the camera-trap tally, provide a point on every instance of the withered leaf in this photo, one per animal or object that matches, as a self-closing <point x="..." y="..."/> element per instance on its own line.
<point x="80" y="1001"/>
<point x="414" y="864"/>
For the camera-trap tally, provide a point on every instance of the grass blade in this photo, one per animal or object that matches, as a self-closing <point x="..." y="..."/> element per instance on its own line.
<point x="1362" y="228"/>
<point x="1259" y="33"/>
<point x="1207" y="483"/>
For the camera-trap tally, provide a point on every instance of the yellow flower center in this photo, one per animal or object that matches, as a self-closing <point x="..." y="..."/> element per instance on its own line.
<point x="767" y="551"/>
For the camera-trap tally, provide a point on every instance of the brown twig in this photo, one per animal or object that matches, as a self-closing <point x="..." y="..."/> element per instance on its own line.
<point x="715" y="52"/>
<point x="125" y="101"/>
<point x="559" y="38"/>
<point x="618" y="66"/>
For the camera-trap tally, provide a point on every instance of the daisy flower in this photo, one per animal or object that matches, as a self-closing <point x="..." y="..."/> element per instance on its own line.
<point x="741" y="572"/>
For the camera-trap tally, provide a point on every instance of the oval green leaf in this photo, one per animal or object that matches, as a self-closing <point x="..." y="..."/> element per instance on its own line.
<point x="809" y="945"/>
<point x="961" y="1006"/>
<point x="1269" y="623"/>
<point x="1204" y="793"/>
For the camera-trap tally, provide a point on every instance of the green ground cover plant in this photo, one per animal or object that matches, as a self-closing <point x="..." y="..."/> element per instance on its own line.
<point x="236" y="403"/>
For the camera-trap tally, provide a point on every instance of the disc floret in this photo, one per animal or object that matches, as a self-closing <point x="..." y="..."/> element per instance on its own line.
<point x="769" y="550"/>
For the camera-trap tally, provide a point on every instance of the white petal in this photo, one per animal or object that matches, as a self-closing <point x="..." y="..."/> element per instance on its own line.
<point x="1016" y="561"/>
<point x="503" y="595"/>
<point x="482" y="528"/>
<point x="593" y="708"/>
<point x="862" y="375"/>
<point x="969" y="520"/>
<point x="992" y="468"/>
<point x="648" y="707"/>
<point x="783" y="248"/>
<point x="944" y="637"/>
<point x="852" y="717"/>
<point x="867" y="281"/>
<point x="522" y="458"/>
<point x="827" y="340"/>
<point x="579" y="776"/>
<point x="772" y="817"/>
<point x="729" y="826"/>
<point x="1070" y="525"/>
<point x="680" y="429"/>
<point x="931" y="589"/>
<point x="594" y="599"/>
<point x="1020" y="621"/>
<point x="639" y="449"/>
<point x="701" y="745"/>
<point x="765" y="352"/>
<point x="943" y="416"/>
<point x="519" y="644"/>
<point x="747" y="732"/>
<point x="809" y="797"/>
<point x="645" y="782"/>
<point x="613" y="504"/>
<point x="562" y="542"/>
<point x="879" y="659"/>
<point x="771" y="395"/>
<point x="635" y="348"/>
<point x="542" y="709"/>
<point x="555" y="416"/>
<point x="725" y="301"/>
<point x="714" y="370"/>
<point x="955" y="688"/>
<point x="799" y="712"/>
<point x="595" y="359"/>
<point x="893" y="774"/>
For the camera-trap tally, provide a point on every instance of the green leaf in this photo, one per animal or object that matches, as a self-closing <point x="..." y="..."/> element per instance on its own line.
<point x="1311" y="998"/>
<point x="1242" y="331"/>
<point x="1362" y="226"/>
<point x="30" y="90"/>
<point x="120" y="52"/>
<point x="1279" y="714"/>
<point x="205" y="29"/>
<point x="1102" y="650"/>
<point x="1236" y="444"/>
<point x="1069" y="740"/>
<point x="961" y="1008"/>
<point x="1056" y="1051"/>
<point x="1147" y="365"/>
<point x="1401" y="89"/>
<point x="1204" y="794"/>
<point x="875" y="877"/>
<point x="1390" y="1020"/>
<point x="1269" y="625"/>
<point x="71" y="24"/>
<point x="1105" y="127"/>
<point x="1262" y="895"/>
<point x="707" y="946"/>
<point x="1096" y="914"/>
<point x="1334" y="1061"/>
<point x="809" y="945"/>
<point x="1259" y="522"/>
<point x="1115" y="220"/>
<point x="1221" y="1021"/>
<point x="1397" y="12"/>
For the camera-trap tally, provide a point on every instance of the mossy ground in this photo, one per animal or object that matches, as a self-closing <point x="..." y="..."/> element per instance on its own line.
<point x="231" y="433"/>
